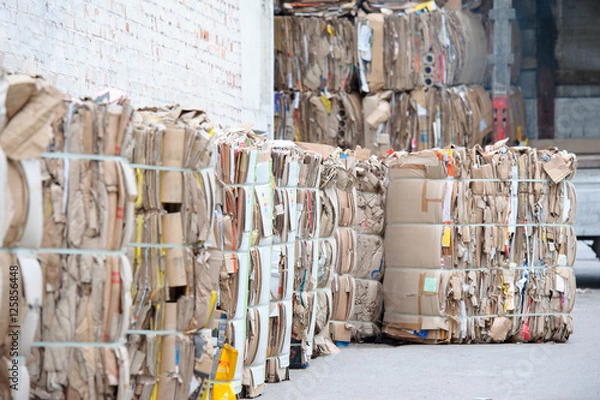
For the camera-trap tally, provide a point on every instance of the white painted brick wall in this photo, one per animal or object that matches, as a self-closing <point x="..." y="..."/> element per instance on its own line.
<point x="158" y="51"/>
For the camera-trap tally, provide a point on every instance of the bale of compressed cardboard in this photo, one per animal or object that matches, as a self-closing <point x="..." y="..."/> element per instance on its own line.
<point x="495" y="241"/>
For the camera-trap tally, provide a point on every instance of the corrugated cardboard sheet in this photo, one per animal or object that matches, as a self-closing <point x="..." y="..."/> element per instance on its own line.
<point x="494" y="251"/>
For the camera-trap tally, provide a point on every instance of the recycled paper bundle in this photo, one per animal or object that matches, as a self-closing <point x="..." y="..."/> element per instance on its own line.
<point x="327" y="248"/>
<point x="285" y="159"/>
<point x="496" y="245"/>
<point x="259" y="279"/>
<point x="426" y="118"/>
<point x="306" y="261"/>
<point x="181" y="144"/>
<point x="30" y="107"/>
<point x="174" y="288"/>
<point x="88" y="219"/>
<point x="437" y="48"/>
<point x="333" y="119"/>
<point x="342" y="283"/>
<point x="314" y="54"/>
<point x="243" y="161"/>
<point x="369" y="225"/>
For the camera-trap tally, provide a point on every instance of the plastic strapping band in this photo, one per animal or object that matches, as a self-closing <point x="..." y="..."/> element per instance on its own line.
<point x="296" y="188"/>
<point x="87" y="157"/>
<point x="237" y="185"/>
<point x="163" y="245"/>
<point x="509" y="180"/>
<point x="396" y="224"/>
<point x="243" y="318"/>
<point x="542" y="267"/>
<point x="65" y="251"/>
<point x="100" y="157"/>
<point x="261" y="246"/>
<point x="553" y="314"/>
<point x="148" y="332"/>
<point x="169" y="169"/>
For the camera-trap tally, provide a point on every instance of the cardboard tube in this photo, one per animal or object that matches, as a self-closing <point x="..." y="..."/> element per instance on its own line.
<point x="171" y="183"/>
<point x="168" y="351"/>
<point x="172" y="230"/>
<point x="114" y="116"/>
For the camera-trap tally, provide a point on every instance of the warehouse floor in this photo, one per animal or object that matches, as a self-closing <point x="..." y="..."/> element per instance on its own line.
<point x="501" y="371"/>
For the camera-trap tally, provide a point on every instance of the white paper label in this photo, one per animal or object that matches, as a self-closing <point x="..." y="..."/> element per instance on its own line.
<point x="482" y="125"/>
<point x="560" y="283"/>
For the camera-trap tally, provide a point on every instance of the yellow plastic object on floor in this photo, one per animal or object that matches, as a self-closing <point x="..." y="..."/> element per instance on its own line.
<point x="223" y="391"/>
<point x="227" y="363"/>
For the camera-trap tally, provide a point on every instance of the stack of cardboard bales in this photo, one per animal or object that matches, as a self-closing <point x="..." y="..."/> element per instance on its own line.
<point x="328" y="254"/>
<point x="286" y="159"/>
<point x="259" y="278"/>
<point x="342" y="284"/>
<point x="87" y="214"/>
<point x="423" y="62"/>
<point x="243" y="160"/>
<point x="426" y="118"/>
<point x="315" y="62"/>
<point x="173" y="286"/>
<point x="368" y="271"/>
<point x="28" y="108"/>
<point x="496" y="245"/>
<point x="419" y="67"/>
<point x="306" y="263"/>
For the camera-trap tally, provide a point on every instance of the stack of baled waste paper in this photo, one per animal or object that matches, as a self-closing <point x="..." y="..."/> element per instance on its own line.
<point x="306" y="267"/>
<point x="480" y="245"/>
<point x="152" y="254"/>
<point x="29" y="109"/>
<point x="173" y="288"/>
<point x="286" y="161"/>
<point x="369" y="267"/>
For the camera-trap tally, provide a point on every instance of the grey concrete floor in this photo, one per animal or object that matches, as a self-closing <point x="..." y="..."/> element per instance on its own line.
<point x="500" y="371"/>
